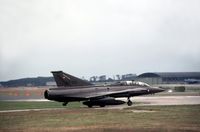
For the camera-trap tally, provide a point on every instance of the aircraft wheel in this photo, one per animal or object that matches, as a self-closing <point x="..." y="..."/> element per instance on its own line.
<point x="90" y="106"/>
<point x="65" y="103"/>
<point x="129" y="103"/>
<point x="102" y="105"/>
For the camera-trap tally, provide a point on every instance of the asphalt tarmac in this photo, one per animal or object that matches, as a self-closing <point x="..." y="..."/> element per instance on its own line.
<point x="159" y="100"/>
<point x="137" y="101"/>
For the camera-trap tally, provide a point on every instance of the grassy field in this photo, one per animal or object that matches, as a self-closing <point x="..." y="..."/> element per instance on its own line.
<point x="17" y="105"/>
<point x="76" y="118"/>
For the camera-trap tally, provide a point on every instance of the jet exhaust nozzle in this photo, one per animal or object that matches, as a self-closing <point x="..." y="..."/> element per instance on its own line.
<point x="46" y="94"/>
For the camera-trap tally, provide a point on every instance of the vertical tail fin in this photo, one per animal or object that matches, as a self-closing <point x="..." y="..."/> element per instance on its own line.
<point x="64" y="79"/>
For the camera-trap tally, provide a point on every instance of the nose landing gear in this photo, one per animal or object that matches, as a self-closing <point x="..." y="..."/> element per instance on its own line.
<point x="129" y="103"/>
<point x="65" y="103"/>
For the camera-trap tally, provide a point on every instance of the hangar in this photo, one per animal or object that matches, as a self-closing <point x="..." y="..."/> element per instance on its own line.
<point x="167" y="77"/>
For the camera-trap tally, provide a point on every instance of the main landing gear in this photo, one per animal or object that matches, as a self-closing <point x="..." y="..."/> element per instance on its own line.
<point x="65" y="103"/>
<point x="129" y="103"/>
<point x="89" y="106"/>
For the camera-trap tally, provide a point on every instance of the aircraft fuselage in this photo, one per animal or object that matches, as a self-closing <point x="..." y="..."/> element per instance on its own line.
<point x="76" y="93"/>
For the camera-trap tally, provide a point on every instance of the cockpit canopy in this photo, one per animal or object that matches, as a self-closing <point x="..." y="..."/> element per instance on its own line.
<point x="133" y="83"/>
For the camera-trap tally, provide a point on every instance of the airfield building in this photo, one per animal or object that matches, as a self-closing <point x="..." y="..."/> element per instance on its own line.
<point x="128" y="77"/>
<point x="168" y="77"/>
<point x="102" y="78"/>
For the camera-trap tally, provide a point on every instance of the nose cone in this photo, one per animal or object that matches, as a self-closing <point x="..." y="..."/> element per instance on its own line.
<point x="157" y="90"/>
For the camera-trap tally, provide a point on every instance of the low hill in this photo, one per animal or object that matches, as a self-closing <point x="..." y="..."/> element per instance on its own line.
<point x="39" y="81"/>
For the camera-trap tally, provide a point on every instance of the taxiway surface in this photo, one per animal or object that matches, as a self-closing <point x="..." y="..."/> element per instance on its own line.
<point x="138" y="101"/>
<point x="160" y="100"/>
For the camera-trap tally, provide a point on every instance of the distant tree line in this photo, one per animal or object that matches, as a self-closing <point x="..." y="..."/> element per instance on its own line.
<point x="48" y="81"/>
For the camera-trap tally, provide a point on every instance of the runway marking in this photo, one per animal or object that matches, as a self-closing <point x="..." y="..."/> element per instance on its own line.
<point x="16" y="94"/>
<point x="27" y="110"/>
<point x="158" y="100"/>
<point x="27" y="100"/>
<point x="27" y="94"/>
<point x="141" y="111"/>
<point x="142" y="101"/>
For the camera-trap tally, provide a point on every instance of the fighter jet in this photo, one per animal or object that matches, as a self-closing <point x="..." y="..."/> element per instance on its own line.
<point x="71" y="89"/>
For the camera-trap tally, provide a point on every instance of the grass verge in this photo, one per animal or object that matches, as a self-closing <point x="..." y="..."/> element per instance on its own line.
<point x="140" y="118"/>
<point x="17" y="105"/>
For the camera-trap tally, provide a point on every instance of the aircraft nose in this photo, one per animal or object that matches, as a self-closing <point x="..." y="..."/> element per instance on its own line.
<point x="160" y="90"/>
<point x="157" y="90"/>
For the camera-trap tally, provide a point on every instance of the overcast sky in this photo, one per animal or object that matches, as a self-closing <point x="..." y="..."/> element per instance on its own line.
<point x="95" y="37"/>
